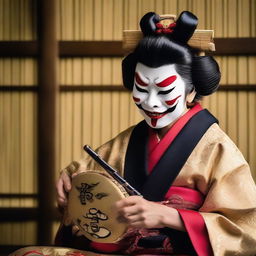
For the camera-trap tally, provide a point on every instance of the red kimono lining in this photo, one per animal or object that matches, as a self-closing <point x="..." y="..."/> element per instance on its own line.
<point x="197" y="231"/>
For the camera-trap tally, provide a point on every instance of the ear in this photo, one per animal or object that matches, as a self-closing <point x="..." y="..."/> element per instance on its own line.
<point x="190" y="97"/>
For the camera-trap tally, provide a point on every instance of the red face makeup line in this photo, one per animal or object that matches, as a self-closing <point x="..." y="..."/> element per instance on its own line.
<point x="153" y="122"/>
<point x="171" y="102"/>
<point x="169" y="80"/>
<point x="139" y="80"/>
<point x="136" y="99"/>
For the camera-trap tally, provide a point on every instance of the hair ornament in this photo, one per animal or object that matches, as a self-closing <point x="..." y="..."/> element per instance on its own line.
<point x="161" y="29"/>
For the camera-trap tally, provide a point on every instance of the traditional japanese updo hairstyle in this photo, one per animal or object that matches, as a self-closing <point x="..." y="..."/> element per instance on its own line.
<point x="162" y="46"/>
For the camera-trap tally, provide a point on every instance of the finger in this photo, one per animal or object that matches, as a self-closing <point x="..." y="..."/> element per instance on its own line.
<point x="137" y="224"/>
<point x="66" y="181"/>
<point x="128" y="201"/>
<point x="130" y="219"/>
<point x="60" y="190"/>
<point x="61" y="194"/>
<point x="130" y="210"/>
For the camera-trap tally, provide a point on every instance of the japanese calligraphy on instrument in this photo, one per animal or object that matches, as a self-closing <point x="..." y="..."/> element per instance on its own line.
<point x="89" y="206"/>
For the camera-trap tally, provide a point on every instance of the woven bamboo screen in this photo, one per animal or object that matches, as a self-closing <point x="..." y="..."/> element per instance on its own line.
<point x="18" y="115"/>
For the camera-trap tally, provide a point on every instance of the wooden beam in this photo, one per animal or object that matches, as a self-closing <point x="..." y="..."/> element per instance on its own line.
<point x="19" y="195"/>
<point x="118" y="88"/>
<point x="235" y="46"/>
<point x="111" y="88"/>
<point x="66" y="48"/>
<point x="24" y="214"/>
<point x="237" y="87"/>
<point x="224" y="46"/>
<point x="18" y="214"/>
<point x="18" y="49"/>
<point x="47" y="94"/>
<point x="90" y="49"/>
<point x="18" y="88"/>
<point x="85" y="88"/>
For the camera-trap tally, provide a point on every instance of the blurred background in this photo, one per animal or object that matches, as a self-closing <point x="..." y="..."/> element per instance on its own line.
<point x="61" y="88"/>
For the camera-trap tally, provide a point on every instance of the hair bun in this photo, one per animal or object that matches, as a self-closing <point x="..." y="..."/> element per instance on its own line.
<point x="148" y="23"/>
<point x="185" y="26"/>
<point x="205" y="75"/>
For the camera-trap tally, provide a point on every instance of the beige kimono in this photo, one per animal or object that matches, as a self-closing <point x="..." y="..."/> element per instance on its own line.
<point x="218" y="170"/>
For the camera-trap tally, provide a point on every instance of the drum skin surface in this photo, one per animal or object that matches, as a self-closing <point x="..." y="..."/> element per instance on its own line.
<point x="90" y="206"/>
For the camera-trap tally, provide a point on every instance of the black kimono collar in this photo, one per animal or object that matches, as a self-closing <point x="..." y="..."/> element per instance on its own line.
<point x="154" y="186"/>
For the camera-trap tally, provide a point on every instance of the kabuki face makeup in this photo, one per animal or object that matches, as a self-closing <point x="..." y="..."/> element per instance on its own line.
<point x="160" y="94"/>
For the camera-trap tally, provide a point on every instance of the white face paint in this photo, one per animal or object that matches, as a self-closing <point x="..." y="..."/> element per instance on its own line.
<point x="160" y="94"/>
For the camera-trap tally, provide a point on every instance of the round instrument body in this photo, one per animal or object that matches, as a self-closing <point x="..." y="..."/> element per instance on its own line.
<point x="90" y="206"/>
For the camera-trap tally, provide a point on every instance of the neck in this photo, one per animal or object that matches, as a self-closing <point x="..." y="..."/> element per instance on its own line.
<point x="162" y="131"/>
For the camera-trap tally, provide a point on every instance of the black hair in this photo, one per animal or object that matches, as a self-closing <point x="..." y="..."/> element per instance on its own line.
<point x="198" y="72"/>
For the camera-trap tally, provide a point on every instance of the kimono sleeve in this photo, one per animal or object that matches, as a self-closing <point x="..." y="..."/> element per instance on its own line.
<point x="229" y="209"/>
<point x="113" y="152"/>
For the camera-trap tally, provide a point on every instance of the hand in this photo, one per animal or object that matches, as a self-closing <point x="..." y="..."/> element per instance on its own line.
<point x="63" y="184"/>
<point x="140" y="213"/>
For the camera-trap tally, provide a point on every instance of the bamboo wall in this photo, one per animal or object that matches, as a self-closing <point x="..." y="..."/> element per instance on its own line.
<point x="18" y="130"/>
<point x="93" y="117"/>
<point x="18" y="145"/>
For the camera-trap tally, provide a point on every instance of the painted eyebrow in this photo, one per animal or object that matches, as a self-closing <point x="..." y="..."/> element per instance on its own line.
<point x="140" y="89"/>
<point x="165" y="92"/>
<point x="139" y="80"/>
<point x="169" y="80"/>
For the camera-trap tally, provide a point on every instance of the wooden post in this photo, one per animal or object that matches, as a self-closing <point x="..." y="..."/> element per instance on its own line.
<point x="47" y="97"/>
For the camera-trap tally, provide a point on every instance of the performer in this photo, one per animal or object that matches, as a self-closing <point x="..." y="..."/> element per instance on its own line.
<point x="198" y="194"/>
